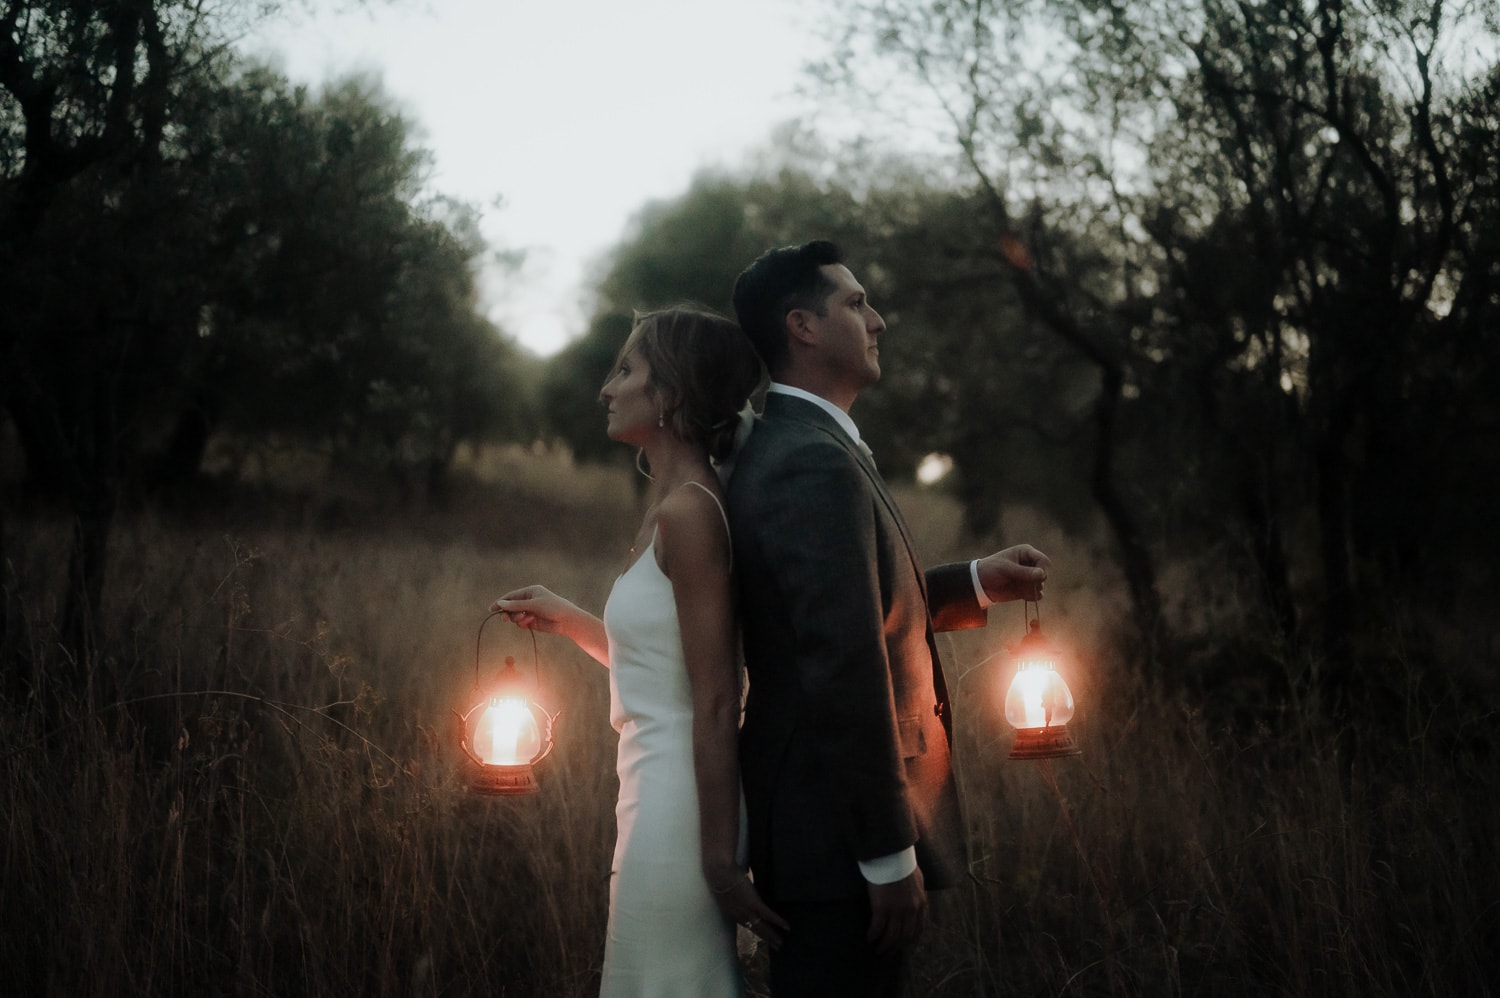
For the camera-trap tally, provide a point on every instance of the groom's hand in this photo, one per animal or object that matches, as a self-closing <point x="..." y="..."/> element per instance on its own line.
<point x="898" y="912"/>
<point x="1018" y="572"/>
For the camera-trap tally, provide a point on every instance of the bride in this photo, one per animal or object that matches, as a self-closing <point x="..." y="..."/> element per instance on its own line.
<point x="670" y="637"/>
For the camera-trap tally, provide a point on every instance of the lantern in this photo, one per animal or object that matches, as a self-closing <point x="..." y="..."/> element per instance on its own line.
<point x="1039" y="704"/>
<point x="506" y="732"/>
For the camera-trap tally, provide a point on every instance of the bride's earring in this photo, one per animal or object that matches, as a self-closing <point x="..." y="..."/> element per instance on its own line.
<point x="639" y="456"/>
<point x="661" y="419"/>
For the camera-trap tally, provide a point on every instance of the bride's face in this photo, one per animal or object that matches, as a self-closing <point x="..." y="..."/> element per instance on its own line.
<point x="629" y="401"/>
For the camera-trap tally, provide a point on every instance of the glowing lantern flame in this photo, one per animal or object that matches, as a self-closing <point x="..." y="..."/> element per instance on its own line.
<point x="1038" y="697"/>
<point x="507" y="734"/>
<point x="1039" y="704"/>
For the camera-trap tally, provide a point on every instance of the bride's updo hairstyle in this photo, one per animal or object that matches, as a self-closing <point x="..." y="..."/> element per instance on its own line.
<point x="703" y="371"/>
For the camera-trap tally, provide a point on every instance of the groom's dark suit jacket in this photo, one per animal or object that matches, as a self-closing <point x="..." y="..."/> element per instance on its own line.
<point x="844" y="751"/>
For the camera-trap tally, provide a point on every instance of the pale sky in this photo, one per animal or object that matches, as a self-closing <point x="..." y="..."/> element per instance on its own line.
<point x="574" y="113"/>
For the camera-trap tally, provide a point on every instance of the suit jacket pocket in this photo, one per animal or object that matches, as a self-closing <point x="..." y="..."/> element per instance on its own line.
<point x="913" y="737"/>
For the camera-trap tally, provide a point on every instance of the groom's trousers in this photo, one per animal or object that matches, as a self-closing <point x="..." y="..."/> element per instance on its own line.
<point x="825" y="953"/>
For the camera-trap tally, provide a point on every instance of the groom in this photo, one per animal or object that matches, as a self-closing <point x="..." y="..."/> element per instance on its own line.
<point x="853" y="812"/>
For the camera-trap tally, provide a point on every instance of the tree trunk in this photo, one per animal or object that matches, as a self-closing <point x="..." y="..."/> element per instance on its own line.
<point x="1268" y="545"/>
<point x="1338" y="581"/>
<point x="92" y="518"/>
<point x="981" y="513"/>
<point x="180" y="461"/>
<point x="94" y="491"/>
<point x="978" y="489"/>
<point x="13" y="676"/>
<point x="1135" y="557"/>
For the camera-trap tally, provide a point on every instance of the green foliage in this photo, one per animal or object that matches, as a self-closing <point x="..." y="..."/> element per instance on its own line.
<point x="689" y="249"/>
<point x="1269" y="228"/>
<point x="190" y="247"/>
<point x="346" y="291"/>
<point x="966" y="372"/>
<point x="241" y="257"/>
<point x="571" y="385"/>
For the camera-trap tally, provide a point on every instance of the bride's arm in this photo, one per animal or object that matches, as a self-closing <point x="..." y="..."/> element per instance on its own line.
<point x="538" y="608"/>
<point x="694" y="554"/>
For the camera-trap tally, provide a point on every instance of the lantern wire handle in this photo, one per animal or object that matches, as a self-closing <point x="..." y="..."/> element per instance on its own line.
<point x="535" y="655"/>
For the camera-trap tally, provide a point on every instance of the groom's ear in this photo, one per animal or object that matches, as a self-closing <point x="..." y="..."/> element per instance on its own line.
<point x="799" y="327"/>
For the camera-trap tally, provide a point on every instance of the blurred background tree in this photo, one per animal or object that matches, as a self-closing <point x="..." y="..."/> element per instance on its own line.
<point x="344" y="293"/>
<point x="967" y="375"/>
<point x="1219" y="280"/>
<point x="682" y="250"/>
<point x="87" y="97"/>
<point x="1269" y="228"/>
<point x="191" y="246"/>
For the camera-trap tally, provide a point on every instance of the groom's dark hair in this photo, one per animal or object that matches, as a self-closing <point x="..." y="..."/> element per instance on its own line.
<point x="778" y="281"/>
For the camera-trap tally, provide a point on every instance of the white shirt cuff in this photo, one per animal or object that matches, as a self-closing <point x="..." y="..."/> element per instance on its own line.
<point x="889" y="869"/>
<point x="980" y="594"/>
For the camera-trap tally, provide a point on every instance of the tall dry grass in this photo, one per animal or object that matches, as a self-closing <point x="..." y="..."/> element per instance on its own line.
<point x="270" y="801"/>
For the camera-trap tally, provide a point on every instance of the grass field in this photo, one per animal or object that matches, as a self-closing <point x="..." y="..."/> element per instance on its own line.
<point x="270" y="800"/>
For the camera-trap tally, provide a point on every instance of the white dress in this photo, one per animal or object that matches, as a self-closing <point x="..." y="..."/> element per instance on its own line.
<point x="666" y="936"/>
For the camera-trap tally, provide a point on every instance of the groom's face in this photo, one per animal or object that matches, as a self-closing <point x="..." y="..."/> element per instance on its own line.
<point x="847" y="331"/>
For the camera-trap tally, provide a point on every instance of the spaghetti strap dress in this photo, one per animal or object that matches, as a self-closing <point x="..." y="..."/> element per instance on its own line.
<point x="666" y="936"/>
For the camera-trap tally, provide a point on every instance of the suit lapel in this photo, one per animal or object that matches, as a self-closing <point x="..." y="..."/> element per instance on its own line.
<point x="790" y="407"/>
<point x="895" y="511"/>
<point x="802" y="411"/>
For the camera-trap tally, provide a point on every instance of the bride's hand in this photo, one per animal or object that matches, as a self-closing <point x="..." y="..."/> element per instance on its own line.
<point x="536" y="608"/>
<point x="741" y="902"/>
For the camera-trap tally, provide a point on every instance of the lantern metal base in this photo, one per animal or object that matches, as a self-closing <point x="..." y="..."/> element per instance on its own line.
<point x="1044" y="743"/>
<point x="503" y="781"/>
